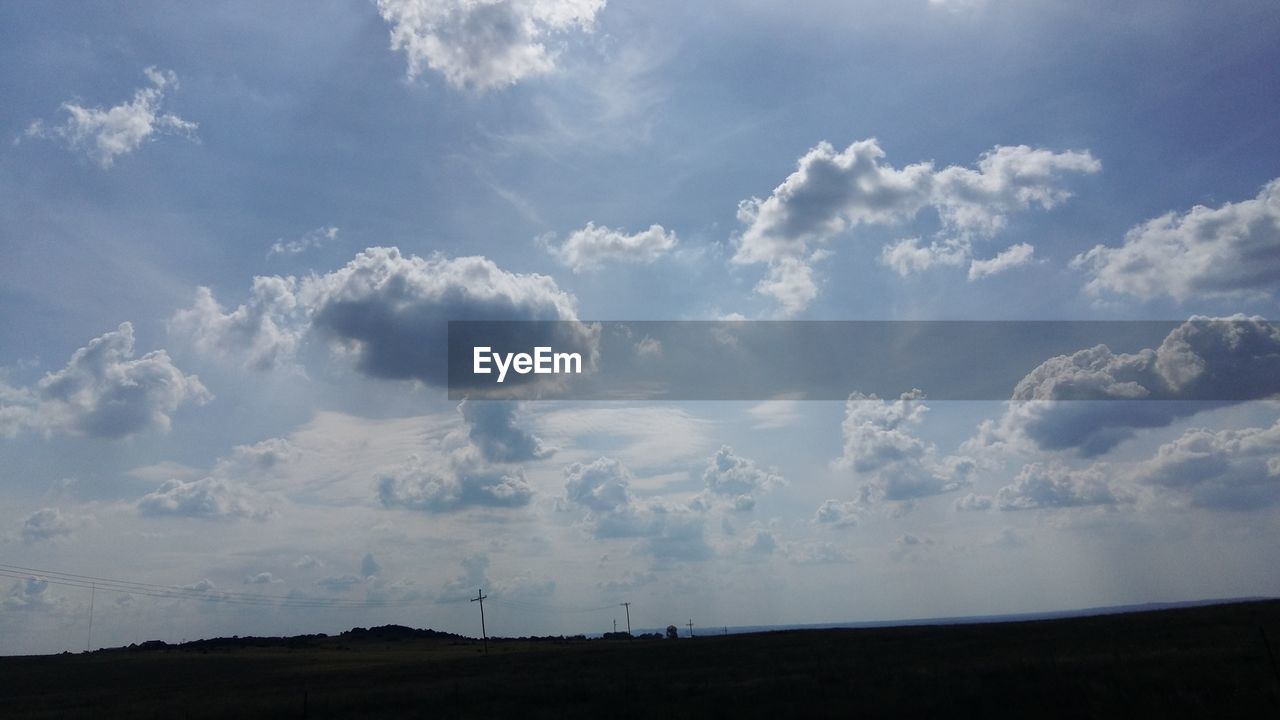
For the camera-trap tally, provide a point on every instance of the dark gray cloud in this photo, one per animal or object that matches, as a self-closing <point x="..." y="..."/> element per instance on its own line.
<point x="1202" y="364"/>
<point x="369" y="567"/>
<point x="47" y="524"/>
<point x="1230" y="250"/>
<point x="492" y="428"/>
<point x="30" y="595"/>
<point x="1236" y="470"/>
<point x="388" y="311"/>
<point x="392" y="311"/>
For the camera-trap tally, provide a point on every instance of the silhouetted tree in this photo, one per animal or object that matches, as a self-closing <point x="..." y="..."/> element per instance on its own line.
<point x="672" y="632"/>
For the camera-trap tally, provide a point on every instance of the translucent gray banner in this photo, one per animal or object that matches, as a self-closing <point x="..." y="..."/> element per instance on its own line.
<point x="1211" y="360"/>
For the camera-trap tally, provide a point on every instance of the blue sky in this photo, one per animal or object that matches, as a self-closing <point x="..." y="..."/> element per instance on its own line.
<point x="556" y="159"/>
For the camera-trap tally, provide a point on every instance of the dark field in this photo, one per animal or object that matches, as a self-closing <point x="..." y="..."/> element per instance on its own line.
<point x="1197" y="662"/>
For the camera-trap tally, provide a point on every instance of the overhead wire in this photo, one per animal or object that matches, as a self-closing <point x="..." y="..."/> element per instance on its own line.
<point x="177" y="592"/>
<point x="213" y="594"/>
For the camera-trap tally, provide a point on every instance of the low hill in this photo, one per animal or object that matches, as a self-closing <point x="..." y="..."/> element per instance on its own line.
<point x="1211" y="661"/>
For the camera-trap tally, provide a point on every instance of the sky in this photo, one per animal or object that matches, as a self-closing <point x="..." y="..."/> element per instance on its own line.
<point x="232" y="236"/>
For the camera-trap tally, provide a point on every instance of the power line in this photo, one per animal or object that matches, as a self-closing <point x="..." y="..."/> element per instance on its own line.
<point x="526" y="605"/>
<point x="215" y="595"/>
<point x="143" y="586"/>
<point x="174" y="592"/>
<point x="93" y="583"/>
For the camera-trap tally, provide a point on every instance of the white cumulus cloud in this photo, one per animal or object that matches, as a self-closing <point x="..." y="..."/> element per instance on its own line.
<point x="1201" y="364"/>
<point x="1012" y="257"/>
<point x="595" y="245"/>
<point x="881" y="448"/>
<point x="1057" y="486"/>
<point x="728" y="475"/>
<point x="103" y="392"/>
<point x="1226" y="469"/>
<point x="831" y="192"/>
<point x="666" y="531"/>
<point x="106" y="134"/>
<point x="310" y="240"/>
<point x="484" y="44"/>
<point x="453" y="481"/>
<point x="228" y="491"/>
<point x="261" y="334"/>
<point x="208" y="497"/>
<point x="1230" y="250"/>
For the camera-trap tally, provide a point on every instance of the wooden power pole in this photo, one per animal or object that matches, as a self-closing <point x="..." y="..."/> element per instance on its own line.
<point x="627" y="605"/>
<point x="484" y="635"/>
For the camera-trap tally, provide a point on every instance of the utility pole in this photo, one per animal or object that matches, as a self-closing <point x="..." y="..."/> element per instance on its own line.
<point x="615" y="626"/>
<point x="627" y="605"/>
<point x="690" y="627"/>
<point x="93" y="590"/>
<point x="484" y="635"/>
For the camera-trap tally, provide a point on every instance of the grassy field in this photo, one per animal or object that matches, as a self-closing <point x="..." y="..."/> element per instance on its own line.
<point x="1197" y="662"/>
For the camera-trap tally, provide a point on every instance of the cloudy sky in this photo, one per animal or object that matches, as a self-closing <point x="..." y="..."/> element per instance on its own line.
<point x="232" y="233"/>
